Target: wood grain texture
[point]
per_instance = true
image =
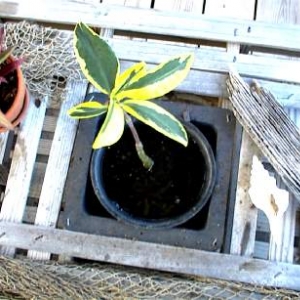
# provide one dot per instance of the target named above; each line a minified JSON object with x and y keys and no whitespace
{"x":58,"y":163}
{"x":278,"y":11}
{"x":130,"y":3}
{"x":3,"y":142}
{"x":172,"y":23}
{"x":231,"y":8}
{"x":180,"y":5}
{"x":148,"y":255}
{"x":23,"y":159}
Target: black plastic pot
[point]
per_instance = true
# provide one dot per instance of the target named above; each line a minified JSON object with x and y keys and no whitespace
{"x":172,"y":192}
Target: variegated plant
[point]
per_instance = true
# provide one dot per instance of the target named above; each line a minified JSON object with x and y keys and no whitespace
{"x":128,"y":92}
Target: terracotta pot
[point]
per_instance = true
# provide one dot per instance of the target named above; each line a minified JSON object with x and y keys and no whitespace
{"x":16,"y":112}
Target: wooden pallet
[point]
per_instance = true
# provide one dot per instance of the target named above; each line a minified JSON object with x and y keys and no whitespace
{"x":159,"y":33}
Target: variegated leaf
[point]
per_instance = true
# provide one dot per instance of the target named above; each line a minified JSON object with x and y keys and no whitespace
{"x":112,"y":127}
{"x":128,"y":76}
{"x":97,"y":60}
{"x":87,"y":110}
{"x":158,"y":81}
{"x":158,"y":118}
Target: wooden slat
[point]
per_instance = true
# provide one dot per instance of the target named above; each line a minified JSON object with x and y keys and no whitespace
{"x":149,"y":255}
{"x":50,"y":123}
{"x":231,"y":8}
{"x":245,"y":213}
{"x":280,"y":11}
{"x":157,"y":22}
{"x":3,"y":142}
{"x":44,"y":147}
{"x":132,"y":3}
{"x":180,"y":5}
{"x":37,"y":180}
{"x":20,"y":174}
{"x":207,"y":60}
{"x":58,"y":163}
{"x":283,"y":250}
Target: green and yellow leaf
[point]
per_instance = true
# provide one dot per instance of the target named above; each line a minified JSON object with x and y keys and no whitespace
{"x":97,"y":60}
{"x":112,"y":127}
{"x":158,"y":118}
{"x":87,"y":110}
{"x":128,"y":76}
{"x":158,"y":81}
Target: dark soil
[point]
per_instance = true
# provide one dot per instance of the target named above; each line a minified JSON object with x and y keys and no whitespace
{"x":169,"y":189}
{"x":8,"y":91}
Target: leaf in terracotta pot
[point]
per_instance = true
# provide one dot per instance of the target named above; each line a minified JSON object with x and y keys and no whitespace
{"x":158,"y":118}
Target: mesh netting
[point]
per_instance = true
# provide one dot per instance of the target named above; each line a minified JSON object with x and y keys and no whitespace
{"x":27,"y":279}
{"x":48,"y":53}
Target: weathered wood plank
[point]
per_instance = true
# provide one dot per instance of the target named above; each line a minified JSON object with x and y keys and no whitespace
{"x":37,"y":180}
{"x":44,"y":147}
{"x":158,"y":22}
{"x":245,"y":213}
{"x":50,"y":123}
{"x":58,"y":163}
{"x":132,"y":3}
{"x":148,"y":255}
{"x":3,"y":142}
{"x":180,"y":5}
{"x":283,"y":250}
{"x":279,"y":11}
{"x":270,"y":68}
{"x":287,"y":12}
{"x":20,"y":174}
{"x":230,"y":8}
{"x":195,"y":6}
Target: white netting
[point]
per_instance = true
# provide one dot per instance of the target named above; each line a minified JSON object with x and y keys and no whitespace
{"x":48,"y":53}
{"x":27,"y":279}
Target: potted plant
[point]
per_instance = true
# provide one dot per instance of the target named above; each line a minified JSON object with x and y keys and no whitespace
{"x":13,"y":93}
{"x":128,"y":111}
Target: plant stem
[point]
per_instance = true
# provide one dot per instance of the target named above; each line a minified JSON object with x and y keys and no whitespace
{"x":145,"y":159}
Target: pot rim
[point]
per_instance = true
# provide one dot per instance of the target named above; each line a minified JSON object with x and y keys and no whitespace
{"x":204,"y":193}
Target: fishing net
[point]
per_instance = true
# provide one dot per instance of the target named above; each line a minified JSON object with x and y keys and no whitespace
{"x":26,"y":279}
{"x":48,"y":53}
